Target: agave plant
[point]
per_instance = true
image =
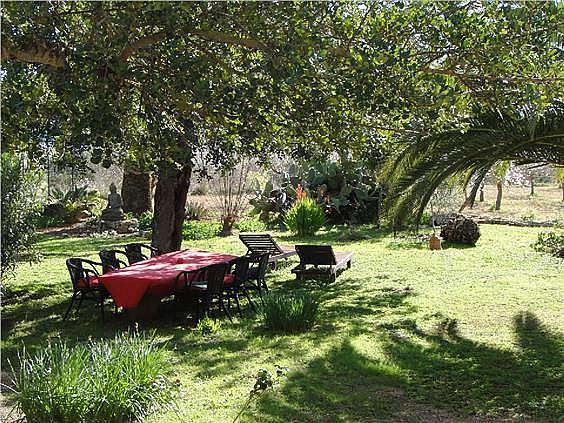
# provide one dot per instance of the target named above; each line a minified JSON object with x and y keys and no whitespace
{"x":523,"y":136}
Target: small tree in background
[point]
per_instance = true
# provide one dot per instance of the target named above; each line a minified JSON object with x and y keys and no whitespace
{"x":499,"y":171}
{"x":230,"y":191}
{"x":20,"y":183}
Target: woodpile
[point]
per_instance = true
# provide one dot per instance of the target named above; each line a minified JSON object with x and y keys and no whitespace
{"x":460,"y":230}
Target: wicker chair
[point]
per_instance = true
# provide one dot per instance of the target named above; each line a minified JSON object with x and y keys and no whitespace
{"x":85,"y":284}
{"x":110,"y":260}
{"x":134,"y":252}
{"x":205,"y":286}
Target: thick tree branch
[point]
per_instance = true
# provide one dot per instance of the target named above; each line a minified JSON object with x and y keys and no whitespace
{"x":34,"y":55}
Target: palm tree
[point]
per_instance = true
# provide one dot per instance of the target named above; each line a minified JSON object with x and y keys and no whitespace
{"x":523,"y":136}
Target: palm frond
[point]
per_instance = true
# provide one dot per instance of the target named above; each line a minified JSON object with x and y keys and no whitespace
{"x":522,"y":136}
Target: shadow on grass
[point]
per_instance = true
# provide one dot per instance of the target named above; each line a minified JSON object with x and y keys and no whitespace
{"x":461,"y":374}
{"x":448,"y":245}
{"x":449,"y":373}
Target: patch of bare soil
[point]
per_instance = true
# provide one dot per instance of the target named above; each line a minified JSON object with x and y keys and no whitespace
{"x":8,"y":412}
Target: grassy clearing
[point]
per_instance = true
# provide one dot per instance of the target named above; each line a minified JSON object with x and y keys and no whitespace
{"x":405,"y":335}
{"x":518,"y":204}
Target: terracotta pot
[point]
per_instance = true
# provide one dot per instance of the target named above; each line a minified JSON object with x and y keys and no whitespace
{"x":434,"y":242}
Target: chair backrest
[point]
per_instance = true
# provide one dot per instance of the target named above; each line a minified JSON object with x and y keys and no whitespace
{"x":262,"y":264}
{"x":316,"y":254}
{"x":110,"y":261}
{"x":214,"y":277}
{"x":241,"y":271}
{"x":260,"y":243}
{"x":79,"y":274}
{"x":134,"y":254}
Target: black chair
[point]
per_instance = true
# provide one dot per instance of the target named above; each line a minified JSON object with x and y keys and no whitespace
{"x":110,"y":261}
{"x":234,"y":283}
{"x":257,"y":273}
{"x":85,"y":283}
{"x":134,"y":252}
{"x":205,"y":285}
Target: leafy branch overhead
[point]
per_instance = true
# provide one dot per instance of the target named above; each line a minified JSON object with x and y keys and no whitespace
{"x":115,"y":79}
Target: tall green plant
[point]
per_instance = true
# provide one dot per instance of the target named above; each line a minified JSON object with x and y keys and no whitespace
{"x":20,"y":207}
{"x":305,"y":217}
{"x":115,"y":380}
{"x":289,"y":313}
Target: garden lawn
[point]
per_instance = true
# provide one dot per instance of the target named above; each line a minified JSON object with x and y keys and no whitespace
{"x":405,"y":335}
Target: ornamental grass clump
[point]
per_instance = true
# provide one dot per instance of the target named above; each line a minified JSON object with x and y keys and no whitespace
{"x":116,"y":380}
{"x":305,"y":217}
{"x":289,"y":312}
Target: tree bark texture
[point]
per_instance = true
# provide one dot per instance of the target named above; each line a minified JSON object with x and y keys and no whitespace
{"x":170,"y":206}
{"x":137,"y":192}
{"x":499,"y":195}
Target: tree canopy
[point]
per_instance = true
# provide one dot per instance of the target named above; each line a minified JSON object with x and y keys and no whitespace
{"x":158,"y":81}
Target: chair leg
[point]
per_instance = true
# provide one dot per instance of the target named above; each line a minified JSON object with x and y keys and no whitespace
{"x":79,"y":303}
{"x":69,"y":307}
{"x":222,"y":307}
{"x":249,"y":299}
{"x":102,"y":308}
{"x":236,"y":295}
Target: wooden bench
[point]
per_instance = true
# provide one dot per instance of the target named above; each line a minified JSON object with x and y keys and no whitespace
{"x":264,"y":243}
{"x":320,"y":255}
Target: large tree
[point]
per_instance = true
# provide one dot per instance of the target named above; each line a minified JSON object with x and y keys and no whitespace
{"x":166,"y":80}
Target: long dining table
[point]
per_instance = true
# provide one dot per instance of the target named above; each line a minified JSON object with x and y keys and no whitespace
{"x":145,"y":283}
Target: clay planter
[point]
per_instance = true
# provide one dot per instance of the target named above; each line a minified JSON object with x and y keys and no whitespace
{"x":434,"y":242}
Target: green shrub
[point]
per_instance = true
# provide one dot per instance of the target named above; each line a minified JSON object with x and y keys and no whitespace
{"x":305,"y":217}
{"x":195,"y":211}
{"x":100,"y":381}
{"x":200,"y":229}
{"x":146,"y":221}
{"x":20,"y":209}
{"x":289,"y":313}
{"x":207,"y":326}
{"x":68,"y":206}
{"x":550,"y":242}
{"x":250,"y":225}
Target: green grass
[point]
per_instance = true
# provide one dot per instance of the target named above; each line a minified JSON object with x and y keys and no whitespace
{"x":406,"y":334}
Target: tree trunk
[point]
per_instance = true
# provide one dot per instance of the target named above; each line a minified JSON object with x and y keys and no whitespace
{"x":136,"y":192}
{"x":532,"y":186}
{"x":481,"y":194}
{"x":227,"y":229}
{"x":170,"y":206}
{"x":499,"y":194}
{"x":562,"y":186}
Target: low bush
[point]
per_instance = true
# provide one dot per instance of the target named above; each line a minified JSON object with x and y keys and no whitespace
{"x":250,"y":225}
{"x":289,"y":313}
{"x":200,"y":229}
{"x":550,"y":242}
{"x":207,"y":326}
{"x":305,"y":217}
{"x":146,"y":221}
{"x":195,"y":211}
{"x":101,"y":381}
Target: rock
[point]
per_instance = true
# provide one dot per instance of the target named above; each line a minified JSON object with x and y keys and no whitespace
{"x":460,"y":230}
{"x":126,"y":226}
{"x":83,"y":215}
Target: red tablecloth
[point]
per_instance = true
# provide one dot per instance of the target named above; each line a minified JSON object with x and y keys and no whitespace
{"x":156,"y":276}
